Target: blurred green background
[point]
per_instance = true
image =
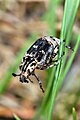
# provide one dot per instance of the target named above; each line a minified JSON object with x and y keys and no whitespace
{"x":22,"y":22}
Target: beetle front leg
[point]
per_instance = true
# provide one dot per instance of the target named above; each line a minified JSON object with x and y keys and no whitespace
{"x":55,"y":62}
{"x":39,"y":81}
{"x":59,"y":57}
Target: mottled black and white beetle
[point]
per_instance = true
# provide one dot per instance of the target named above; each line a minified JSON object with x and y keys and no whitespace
{"x":41,"y":55}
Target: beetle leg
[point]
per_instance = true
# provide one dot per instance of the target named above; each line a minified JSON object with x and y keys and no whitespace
{"x":23,"y":79}
{"x":39,"y":81}
{"x":69,"y":47}
{"x":14,"y":74}
{"x":29,"y":79}
{"x":59,"y":57}
{"x":55,"y":62}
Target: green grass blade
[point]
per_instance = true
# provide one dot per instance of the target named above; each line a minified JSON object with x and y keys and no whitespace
{"x":71,"y":7}
{"x":74,"y":114}
{"x":67,"y":24}
{"x":58,"y":82}
{"x":70,"y":60}
{"x":16,"y":117}
{"x":68,"y":18}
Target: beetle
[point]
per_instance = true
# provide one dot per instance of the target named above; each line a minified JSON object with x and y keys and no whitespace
{"x":41,"y":55}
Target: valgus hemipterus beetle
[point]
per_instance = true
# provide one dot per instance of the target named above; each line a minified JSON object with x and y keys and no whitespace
{"x":41,"y":55}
